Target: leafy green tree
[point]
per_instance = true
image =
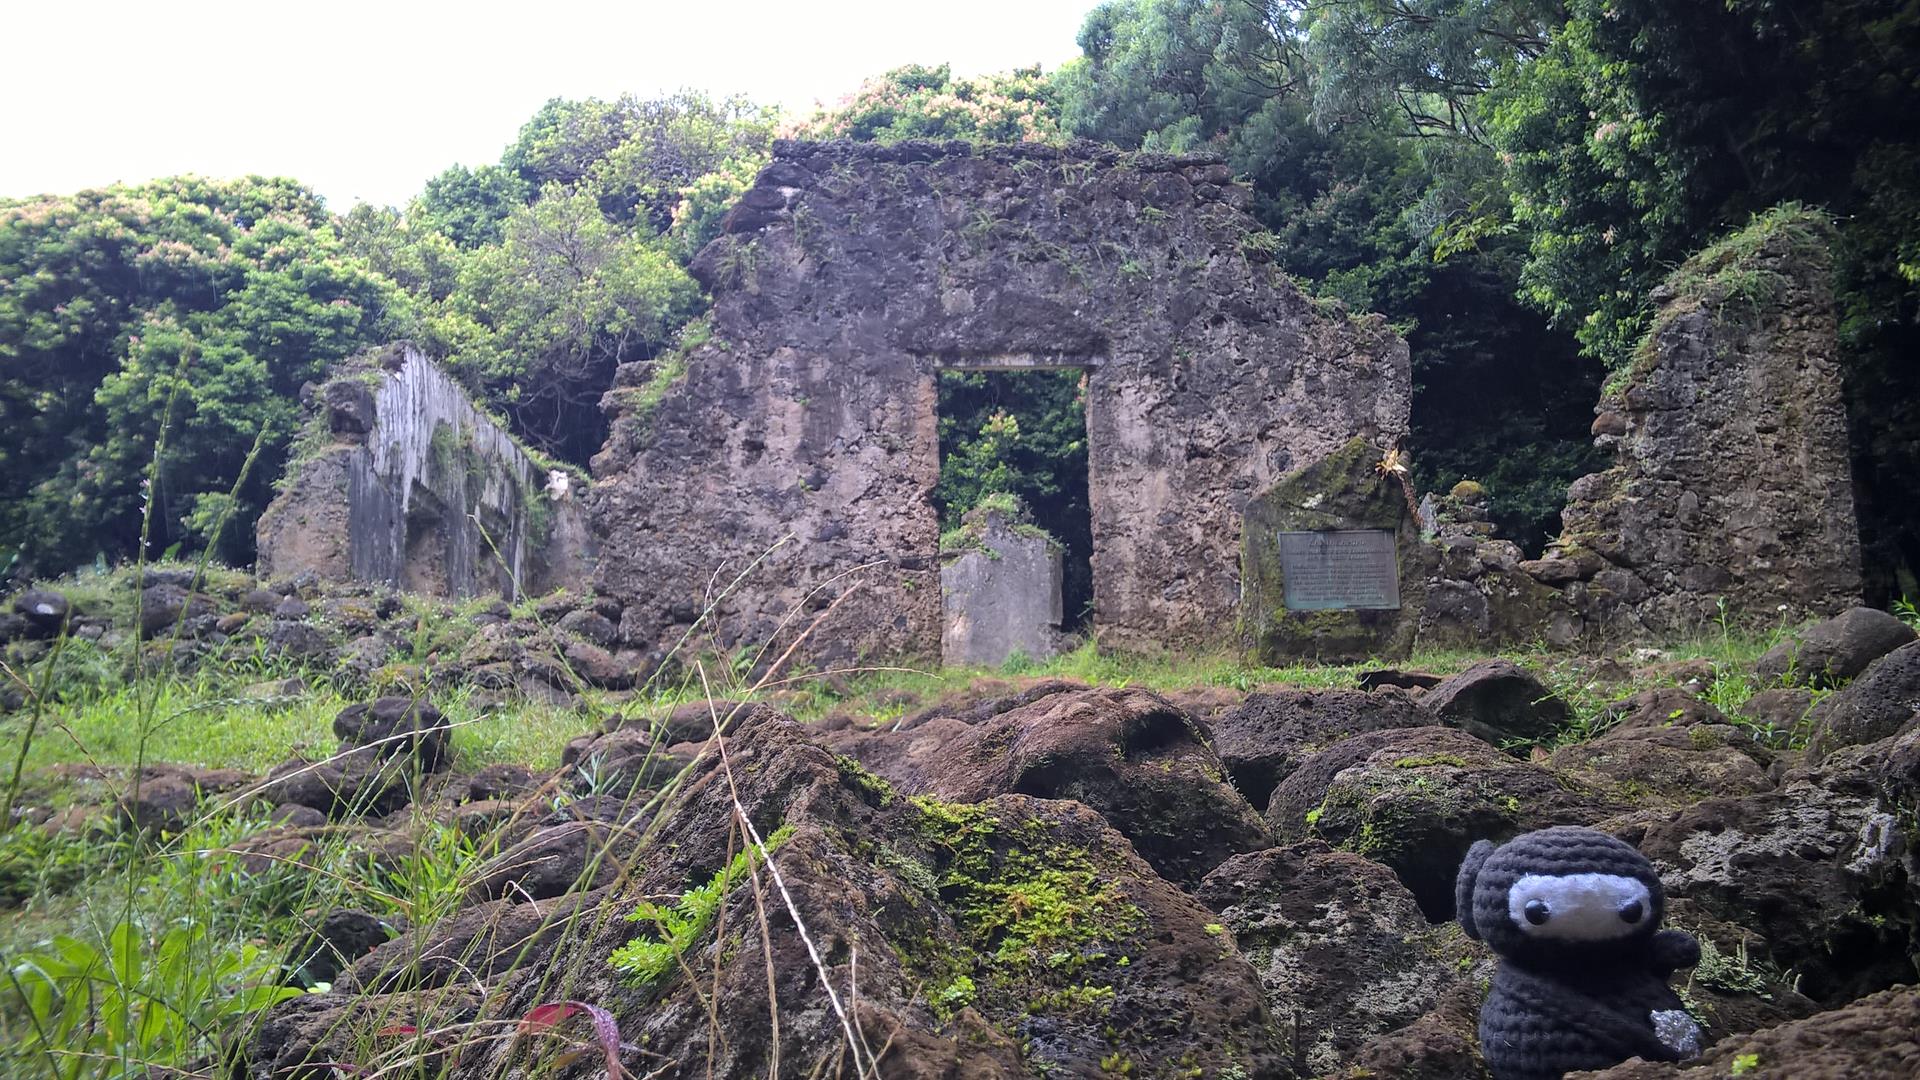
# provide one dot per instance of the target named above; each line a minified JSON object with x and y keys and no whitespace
{"x":1646,"y":129}
{"x":218,"y":298}
{"x":917,"y":102}
{"x":541,"y":320}
{"x":470,"y":206}
{"x":537,"y":277}
{"x":1353,"y":123}
{"x":1025,"y":434}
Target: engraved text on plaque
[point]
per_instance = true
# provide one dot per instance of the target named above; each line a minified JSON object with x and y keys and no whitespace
{"x":1340,"y":569}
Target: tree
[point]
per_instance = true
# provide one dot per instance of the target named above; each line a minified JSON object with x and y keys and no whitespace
{"x":1352,"y":122}
{"x":916,"y":102}
{"x":1646,"y":129}
{"x":540,"y":321}
{"x":192,"y":306}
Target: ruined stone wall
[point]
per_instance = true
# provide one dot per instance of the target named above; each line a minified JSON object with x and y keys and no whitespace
{"x":797,"y":445}
{"x":414,"y":487}
{"x":1731,"y":478}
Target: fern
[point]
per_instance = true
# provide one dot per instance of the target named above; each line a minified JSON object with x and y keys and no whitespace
{"x":678,"y":926}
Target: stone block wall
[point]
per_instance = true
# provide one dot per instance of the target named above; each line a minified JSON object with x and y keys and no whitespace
{"x":410,"y":485}
{"x":1731,"y":483}
{"x":779,"y":472}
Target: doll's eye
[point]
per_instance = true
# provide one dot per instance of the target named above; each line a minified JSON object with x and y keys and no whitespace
{"x":1537,"y":912}
{"x":1630,"y":913}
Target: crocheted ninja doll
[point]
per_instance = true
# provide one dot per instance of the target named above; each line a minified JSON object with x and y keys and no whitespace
{"x":1582,"y":984}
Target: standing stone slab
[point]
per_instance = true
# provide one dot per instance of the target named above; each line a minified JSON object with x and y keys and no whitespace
{"x":1329,"y":558}
{"x":1001,"y":593}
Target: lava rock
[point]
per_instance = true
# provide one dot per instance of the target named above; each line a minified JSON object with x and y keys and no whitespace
{"x":1830,"y":652}
{"x":1416,"y":798}
{"x":1338,"y":942}
{"x":1498,"y":701}
{"x":1869,"y":1038}
{"x":1270,"y":734}
{"x":1875,"y":705}
{"x":46,"y":611}
{"x":393,"y":726}
{"x":1129,"y":754}
{"x":343,"y":936}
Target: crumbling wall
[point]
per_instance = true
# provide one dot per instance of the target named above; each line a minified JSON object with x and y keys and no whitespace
{"x":783,"y":466}
{"x":1731,"y":483}
{"x":405,"y":482}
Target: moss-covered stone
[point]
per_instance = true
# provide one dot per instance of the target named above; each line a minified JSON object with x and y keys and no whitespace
{"x":1344,"y":490}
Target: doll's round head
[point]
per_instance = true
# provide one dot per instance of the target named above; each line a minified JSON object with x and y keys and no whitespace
{"x":1564,"y":891}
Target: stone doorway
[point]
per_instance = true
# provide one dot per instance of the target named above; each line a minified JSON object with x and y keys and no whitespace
{"x":1021,"y":427}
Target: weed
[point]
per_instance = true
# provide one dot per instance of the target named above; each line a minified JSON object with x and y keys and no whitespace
{"x":679,"y":925}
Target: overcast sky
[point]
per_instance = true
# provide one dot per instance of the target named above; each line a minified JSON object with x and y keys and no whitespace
{"x":366,"y":100}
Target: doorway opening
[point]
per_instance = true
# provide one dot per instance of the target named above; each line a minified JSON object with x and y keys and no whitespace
{"x":1022,"y":432}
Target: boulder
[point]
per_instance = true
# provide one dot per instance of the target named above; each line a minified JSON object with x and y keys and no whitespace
{"x":1648,"y":710}
{"x":395,"y":726}
{"x":1416,"y":798}
{"x":501,"y":781}
{"x":163,"y":805}
{"x":1129,"y":754}
{"x":343,"y":936}
{"x":556,"y":859}
{"x":1782,"y":709}
{"x":298,"y":641}
{"x":1029,"y":936}
{"x":1264,"y":739}
{"x":351,"y":785}
{"x":1500,"y":702}
{"x":1818,"y":867}
{"x":620,"y":762}
{"x":1675,"y":765}
{"x":1339,"y":944}
{"x":1864,"y":1040}
{"x":1880,"y":702}
{"x":300,"y":1037}
{"x":589,"y":625}
{"x":45,"y":610}
{"x":163,"y":604}
{"x":1834,"y":650}
{"x":596,"y":666}
{"x":1442,"y":1045}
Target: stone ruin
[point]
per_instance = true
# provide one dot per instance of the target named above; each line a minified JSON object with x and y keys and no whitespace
{"x":1729,"y":498}
{"x":1731,"y":482}
{"x":403,"y":482}
{"x":771,"y":479}
{"x":781,"y":472}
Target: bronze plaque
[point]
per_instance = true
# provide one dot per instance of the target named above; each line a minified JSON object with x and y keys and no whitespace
{"x":1340,"y":569}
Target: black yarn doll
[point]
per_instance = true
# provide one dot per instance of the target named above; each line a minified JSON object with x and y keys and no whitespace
{"x":1582,"y":984}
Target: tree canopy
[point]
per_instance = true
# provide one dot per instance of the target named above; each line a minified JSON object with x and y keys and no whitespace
{"x":1505,"y":179}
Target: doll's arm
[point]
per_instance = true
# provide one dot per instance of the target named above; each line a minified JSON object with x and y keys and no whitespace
{"x":1670,"y":950}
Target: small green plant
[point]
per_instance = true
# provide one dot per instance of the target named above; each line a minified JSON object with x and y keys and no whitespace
{"x":140,"y":1002}
{"x":951,"y":998}
{"x":1735,"y":974}
{"x":678,"y":926}
{"x":1744,"y":1064}
{"x":1906,"y":612}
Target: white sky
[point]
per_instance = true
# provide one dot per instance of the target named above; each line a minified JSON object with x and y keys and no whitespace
{"x":366,"y":100}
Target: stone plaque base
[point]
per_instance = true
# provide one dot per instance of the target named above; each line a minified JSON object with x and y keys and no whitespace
{"x":1323,"y":559}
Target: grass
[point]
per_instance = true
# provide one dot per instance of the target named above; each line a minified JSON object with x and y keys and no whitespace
{"x":91,"y":888}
